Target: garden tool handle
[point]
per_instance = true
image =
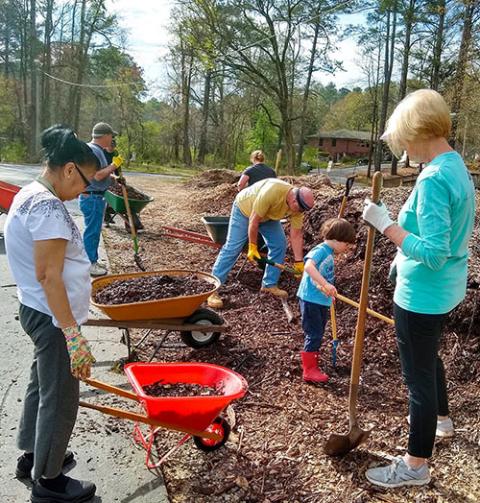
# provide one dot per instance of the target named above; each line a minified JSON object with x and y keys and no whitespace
{"x":371,"y":312}
{"x":333,"y":321}
{"x":348,"y":186}
{"x":362,"y":309}
{"x":133,"y":230}
{"x":282,"y":267}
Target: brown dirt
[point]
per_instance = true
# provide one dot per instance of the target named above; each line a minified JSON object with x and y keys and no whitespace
{"x":279,"y":428}
{"x":132,"y":193}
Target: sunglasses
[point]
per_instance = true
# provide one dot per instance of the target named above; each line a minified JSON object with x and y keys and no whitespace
{"x":302,"y":205}
{"x":86,"y":181}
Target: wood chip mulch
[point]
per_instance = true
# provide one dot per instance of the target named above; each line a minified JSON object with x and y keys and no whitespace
{"x":275,"y":451}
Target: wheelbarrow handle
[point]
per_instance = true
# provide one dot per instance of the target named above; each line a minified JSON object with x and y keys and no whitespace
{"x":140,"y":418}
{"x":111,"y":389}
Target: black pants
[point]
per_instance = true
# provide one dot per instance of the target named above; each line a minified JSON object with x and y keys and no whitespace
{"x":418,"y":339}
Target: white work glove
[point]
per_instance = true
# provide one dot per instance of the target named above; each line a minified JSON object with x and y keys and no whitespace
{"x":377,"y":215}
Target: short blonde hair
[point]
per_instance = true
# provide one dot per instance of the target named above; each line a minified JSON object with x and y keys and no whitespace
{"x":257,"y":155}
{"x":421,"y":115}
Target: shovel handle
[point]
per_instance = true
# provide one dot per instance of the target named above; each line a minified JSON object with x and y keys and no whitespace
{"x":371,"y":312}
{"x":362,"y":308}
{"x":133,"y":231}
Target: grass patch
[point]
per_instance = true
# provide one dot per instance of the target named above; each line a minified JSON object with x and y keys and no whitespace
{"x":182,"y":171}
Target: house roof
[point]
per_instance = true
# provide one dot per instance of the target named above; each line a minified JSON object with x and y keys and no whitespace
{"x":345,"y":134}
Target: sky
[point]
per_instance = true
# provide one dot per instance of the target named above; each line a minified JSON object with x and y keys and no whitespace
{"x":146,"y":24}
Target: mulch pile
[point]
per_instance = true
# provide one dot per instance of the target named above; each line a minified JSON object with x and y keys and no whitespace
{"x":126,"y":291}
{"x":214,"y":177}
{"x":132,"y":192}
{"x":162,"y":388}
{"x":275,"y":452}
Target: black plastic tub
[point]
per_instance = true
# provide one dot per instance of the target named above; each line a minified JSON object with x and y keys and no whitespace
{"x":217,"y":229}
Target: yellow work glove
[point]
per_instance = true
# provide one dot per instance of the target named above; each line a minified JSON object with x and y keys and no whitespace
{"x":298,"y":267}
{"x":117,"y":160}
{"x":81,"y":358}
{"x":253,"y":254}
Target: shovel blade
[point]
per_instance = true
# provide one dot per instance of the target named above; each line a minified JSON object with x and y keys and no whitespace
{"x":339,"y":445}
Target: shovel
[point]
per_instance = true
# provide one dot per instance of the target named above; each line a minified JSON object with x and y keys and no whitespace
{"x":333,"y":319}
{"x":338,"y":445}
{"x":133,"y":231}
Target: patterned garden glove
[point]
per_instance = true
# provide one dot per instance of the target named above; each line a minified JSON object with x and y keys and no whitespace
{"x":298,"y":267}
{"x":253,"y":254}
{"x":81,"y":358}
{"x":117,"y":160}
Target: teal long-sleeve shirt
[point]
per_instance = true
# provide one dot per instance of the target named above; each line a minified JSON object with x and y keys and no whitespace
{"x":439,"y":217}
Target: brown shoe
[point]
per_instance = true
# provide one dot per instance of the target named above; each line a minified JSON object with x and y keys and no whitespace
{"x":274,"y":290}
{"x":215,"y":301}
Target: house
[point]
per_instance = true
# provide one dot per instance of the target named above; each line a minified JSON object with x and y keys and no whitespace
{"x":341,"y":142}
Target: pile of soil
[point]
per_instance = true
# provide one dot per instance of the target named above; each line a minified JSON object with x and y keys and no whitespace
{"x":275,"y":452}
{"x":132,"y":192}
{"x":163,"y":388}
{"x":144,"y":288}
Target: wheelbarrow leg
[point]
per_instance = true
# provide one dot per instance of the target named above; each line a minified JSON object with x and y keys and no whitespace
{"x":159,"y":345}
{"x":142,"y":340}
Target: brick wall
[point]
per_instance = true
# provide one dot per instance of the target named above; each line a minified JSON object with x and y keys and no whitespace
{"x":337,"y":147}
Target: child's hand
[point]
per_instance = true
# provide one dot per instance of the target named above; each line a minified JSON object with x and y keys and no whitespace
{"x":329,"y":290}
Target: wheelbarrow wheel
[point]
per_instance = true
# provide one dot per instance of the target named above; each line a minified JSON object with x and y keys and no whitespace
{"x":220,"y":426}
{"x":199,"y":339}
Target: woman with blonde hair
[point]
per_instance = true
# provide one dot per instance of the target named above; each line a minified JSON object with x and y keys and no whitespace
{"x":256,"y":172}
{"x":434,"y":227}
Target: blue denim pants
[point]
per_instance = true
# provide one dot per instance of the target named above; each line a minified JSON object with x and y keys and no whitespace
{"x":418,"y":340}
{"x":93,"y":207}
{"x":271,"y":231}
{"x":314,"y":320}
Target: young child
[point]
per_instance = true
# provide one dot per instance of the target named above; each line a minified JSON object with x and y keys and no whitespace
{"x":316,"y":291}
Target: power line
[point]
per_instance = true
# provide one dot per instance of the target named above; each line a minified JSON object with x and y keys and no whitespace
{"x":91,"y":86}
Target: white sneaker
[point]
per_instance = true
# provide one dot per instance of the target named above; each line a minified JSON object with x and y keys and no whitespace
{"x":97,"y":270}
{"x":445,"y":427}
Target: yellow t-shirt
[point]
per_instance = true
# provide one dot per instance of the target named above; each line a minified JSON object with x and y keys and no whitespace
{"x":268,"y":199}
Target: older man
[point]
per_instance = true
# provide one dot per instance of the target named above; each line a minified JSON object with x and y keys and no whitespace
{"x":259,"y":208}
{"x":92,"y":202}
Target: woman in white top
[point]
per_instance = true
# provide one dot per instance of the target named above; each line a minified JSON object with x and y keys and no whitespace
{"x":48,"y":262}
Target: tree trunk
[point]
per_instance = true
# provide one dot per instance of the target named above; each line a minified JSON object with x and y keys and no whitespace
{"x":32,"y":115}
{"x":186,"y":70}
{"x":461,"y":68}
{"x":388,"y":66}
{"x":202,"y":148}
{"x":437,"y":52}
{"x":47,"y":64}
{"x":409,"y":19}
{"x":306,"y":93}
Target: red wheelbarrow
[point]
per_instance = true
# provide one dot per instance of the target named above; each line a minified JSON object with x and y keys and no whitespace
{"x":196,"y":416}
{"x":7,"y":193}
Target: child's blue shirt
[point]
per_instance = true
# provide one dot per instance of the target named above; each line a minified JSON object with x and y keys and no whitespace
{"x":322,"y":255}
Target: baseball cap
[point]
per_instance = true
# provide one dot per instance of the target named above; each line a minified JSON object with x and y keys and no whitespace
{"x":101,"y":129}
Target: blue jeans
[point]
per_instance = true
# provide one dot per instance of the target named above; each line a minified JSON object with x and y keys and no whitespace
{"x":418,"y":340}
{"x":314,"y":320}
{"x":93,"y":207}
{"x":271,"y":231}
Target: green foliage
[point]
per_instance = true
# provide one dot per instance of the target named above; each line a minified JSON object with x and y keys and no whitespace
{"x":310,"y":156}
{"x":351,"y":112}
{"x":263,"y":136}
{"x":13,"y":152}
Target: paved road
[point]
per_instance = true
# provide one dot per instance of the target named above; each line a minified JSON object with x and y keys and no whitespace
{"x":102,"y":445}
